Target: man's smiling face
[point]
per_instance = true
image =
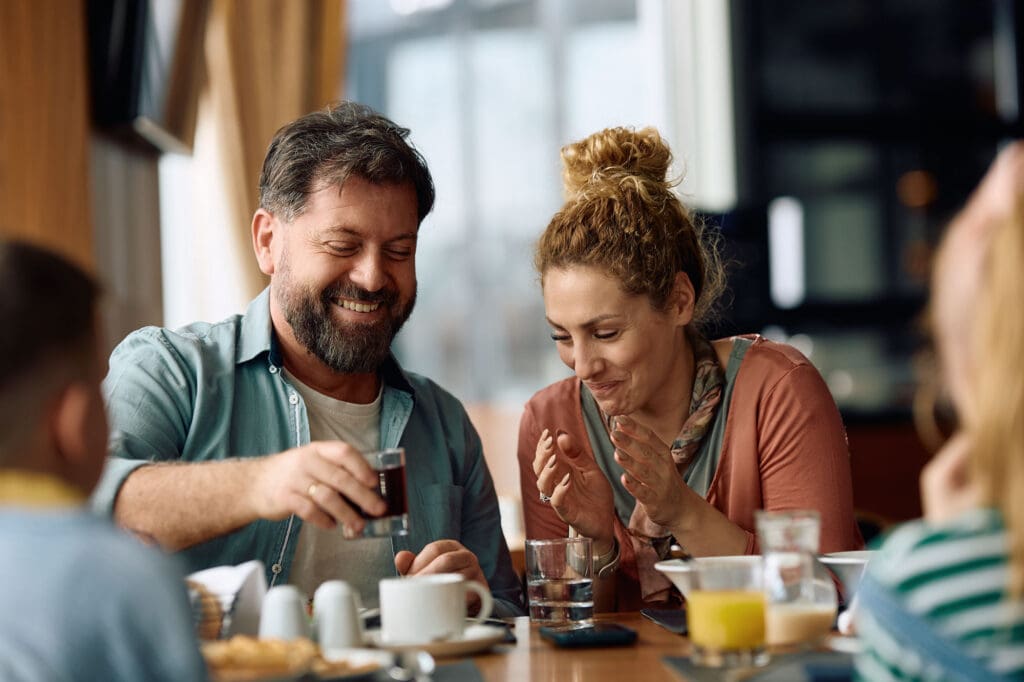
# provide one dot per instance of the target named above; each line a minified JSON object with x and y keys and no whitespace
{"x":345,"y":277}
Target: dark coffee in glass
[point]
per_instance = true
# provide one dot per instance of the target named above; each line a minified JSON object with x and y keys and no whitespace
{"x":390,"y":467}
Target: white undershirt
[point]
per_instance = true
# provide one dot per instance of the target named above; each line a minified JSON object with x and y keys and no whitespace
{"x":325,"y":554}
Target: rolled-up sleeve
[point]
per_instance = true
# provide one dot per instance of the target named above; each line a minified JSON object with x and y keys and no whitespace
{"x":148,"y":392}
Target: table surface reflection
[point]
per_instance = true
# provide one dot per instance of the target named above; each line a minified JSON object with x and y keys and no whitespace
{"x":535,"y":659}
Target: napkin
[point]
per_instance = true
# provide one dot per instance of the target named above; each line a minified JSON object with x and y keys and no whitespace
{"x":240,"y":590}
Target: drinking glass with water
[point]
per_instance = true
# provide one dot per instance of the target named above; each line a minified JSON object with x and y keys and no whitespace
{"x":559,"y":581}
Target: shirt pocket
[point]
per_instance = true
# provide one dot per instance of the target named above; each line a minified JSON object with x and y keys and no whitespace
{"x":443,"y":507}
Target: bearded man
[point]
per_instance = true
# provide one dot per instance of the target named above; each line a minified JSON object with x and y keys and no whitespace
{"x":243,"y":439}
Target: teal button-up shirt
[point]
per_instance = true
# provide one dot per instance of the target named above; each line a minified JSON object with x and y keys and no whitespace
{"x":213,"y":391}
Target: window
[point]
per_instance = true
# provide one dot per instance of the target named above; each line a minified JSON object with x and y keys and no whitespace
{"x":491,"y":90}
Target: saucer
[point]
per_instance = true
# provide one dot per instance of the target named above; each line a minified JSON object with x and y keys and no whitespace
{"x":357,"y":664}
{"x":476,"y":638}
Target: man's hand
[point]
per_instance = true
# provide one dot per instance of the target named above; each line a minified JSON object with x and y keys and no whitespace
{"x":321,"y":483}
{"x":444,"y":556}
{"x":580,"y":494}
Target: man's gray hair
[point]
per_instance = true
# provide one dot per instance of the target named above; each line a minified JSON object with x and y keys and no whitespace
{"x":325,"y":147}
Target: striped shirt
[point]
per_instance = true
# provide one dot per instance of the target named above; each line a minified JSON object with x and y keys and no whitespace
{"x":954,"y":577}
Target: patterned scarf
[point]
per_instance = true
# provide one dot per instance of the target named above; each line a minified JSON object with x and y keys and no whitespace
{"x":651,"y":541}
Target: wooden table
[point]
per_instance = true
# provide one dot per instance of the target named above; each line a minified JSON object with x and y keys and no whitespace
{"x":537,"y":660}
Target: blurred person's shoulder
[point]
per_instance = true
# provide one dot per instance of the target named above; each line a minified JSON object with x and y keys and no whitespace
{"x":100,"y":544}
{"x":919,"y":547}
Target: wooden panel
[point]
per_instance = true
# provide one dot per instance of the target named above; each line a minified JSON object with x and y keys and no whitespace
{"x":886,"y":461}
{"x":44,"y":126}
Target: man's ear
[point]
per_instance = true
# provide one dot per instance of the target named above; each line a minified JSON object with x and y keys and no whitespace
{"x":69,"y":417}
{"x":265,"y":228}
{"x":683,"y":299}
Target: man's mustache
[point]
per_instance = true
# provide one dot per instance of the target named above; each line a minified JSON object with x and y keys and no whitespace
{"x":387,"y":297}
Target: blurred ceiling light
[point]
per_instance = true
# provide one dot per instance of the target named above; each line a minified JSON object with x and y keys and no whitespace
{"x":786,"y":252}
{"x":407,"y":7}
{"x":916,"y":189}
{"x":841,"y":383}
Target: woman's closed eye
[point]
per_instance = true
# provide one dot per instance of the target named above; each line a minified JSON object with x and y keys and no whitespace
{"x":602,"y":335}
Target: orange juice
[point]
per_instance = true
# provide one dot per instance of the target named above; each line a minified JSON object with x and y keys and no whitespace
{"x":726,"y":619}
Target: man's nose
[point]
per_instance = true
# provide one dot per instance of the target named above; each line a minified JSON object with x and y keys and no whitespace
{"x":369,"y":272}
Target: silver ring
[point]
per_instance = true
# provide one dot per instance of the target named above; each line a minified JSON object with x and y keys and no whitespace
{"x":311,"y":490}
{"x":544,"y":498}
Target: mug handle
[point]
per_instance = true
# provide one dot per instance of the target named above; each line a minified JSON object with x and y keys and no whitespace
{"x":486,"y":601}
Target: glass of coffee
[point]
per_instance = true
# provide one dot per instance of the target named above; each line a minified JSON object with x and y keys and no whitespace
{"x":390,"y":467}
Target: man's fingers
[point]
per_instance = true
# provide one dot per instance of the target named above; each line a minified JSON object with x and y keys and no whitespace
{"x":403,"y":561}
{"x":342,"y":455}
{"x":329,"y":502}
{"x":431,"y":552}
{"x":307,"y":510}
{"x":461,"y":561}
{"x":341,"y":481}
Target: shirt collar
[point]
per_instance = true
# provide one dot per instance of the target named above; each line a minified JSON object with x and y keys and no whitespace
{"x":32,"y":489}
{"x":257,"y":337}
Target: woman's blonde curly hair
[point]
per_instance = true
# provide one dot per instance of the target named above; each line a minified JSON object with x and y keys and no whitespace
{"x":623,"y":215}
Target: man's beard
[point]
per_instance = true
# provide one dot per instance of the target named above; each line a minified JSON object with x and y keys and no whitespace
{"x":345,"y":347}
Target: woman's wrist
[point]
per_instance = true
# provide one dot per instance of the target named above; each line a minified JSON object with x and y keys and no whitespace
{"x":600,"y":544}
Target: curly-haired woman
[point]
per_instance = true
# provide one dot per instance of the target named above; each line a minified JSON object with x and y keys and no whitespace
{"x":662,"y":436}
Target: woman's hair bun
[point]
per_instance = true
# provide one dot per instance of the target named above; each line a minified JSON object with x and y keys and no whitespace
{"x":611,"y":155}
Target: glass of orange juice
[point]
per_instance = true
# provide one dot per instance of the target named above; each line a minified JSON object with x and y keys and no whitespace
{"x":725,"y":611}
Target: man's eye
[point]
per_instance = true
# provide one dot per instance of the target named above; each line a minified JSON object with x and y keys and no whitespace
{"x":400,"y":254}
{"x":343,"y":249}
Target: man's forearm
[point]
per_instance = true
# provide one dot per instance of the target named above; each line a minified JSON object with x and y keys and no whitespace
{"x":181,"y":505}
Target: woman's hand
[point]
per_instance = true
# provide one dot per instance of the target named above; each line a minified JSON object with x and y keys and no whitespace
{"x":946,"y":488}
{"x":650,"y":473}
{"x":580,"y":494}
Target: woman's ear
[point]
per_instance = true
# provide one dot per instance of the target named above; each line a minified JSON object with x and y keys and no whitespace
{"x":683,"y":299}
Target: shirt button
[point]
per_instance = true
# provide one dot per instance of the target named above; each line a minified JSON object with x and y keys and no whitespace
{"x":293,"y":399}
{"x":275,"y":569}
{"x":273,"y":369}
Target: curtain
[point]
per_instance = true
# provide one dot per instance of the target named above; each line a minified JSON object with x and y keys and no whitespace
{"x":267,"y":63}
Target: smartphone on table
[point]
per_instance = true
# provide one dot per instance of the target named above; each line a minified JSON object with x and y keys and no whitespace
{"x":596,"y":635}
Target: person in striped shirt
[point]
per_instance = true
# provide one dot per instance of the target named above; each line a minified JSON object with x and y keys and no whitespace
{"x":944,"y":599}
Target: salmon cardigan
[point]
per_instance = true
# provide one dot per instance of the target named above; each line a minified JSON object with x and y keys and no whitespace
{"x":784,"y":448}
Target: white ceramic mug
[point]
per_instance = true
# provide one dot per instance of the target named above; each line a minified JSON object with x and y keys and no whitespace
{"x":336,"y":620}
{"x":428,"y":608}
{"x":283,"y":615}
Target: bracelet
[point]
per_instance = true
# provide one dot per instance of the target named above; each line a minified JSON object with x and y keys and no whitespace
{"x":606,"y":564}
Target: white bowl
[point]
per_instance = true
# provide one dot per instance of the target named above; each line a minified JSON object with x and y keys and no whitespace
{"x":680,"y":572}
{"x":848,"y":567}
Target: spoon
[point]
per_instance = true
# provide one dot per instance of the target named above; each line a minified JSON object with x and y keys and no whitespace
{"x":412,"y":666}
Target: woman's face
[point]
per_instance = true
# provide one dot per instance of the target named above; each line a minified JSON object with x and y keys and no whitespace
{"x":960,"y":266}
{"x":626,"y":352}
